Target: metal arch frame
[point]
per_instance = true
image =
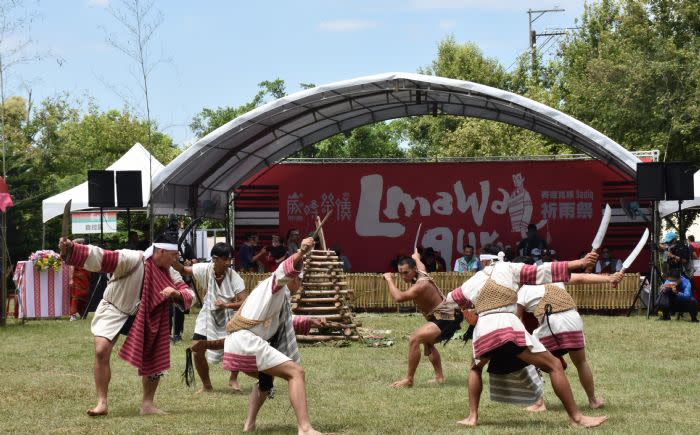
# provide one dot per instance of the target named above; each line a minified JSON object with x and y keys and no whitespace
{"x":236,"y":151}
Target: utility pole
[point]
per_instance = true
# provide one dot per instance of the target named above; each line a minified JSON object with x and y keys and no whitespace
{"x":532,"y":34}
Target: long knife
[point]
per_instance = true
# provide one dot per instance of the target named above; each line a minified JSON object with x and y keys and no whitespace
{"x":602,"y":229}
{"x":637,"y":249}
{"x":66,"y":220}
{"x":415,"y":243}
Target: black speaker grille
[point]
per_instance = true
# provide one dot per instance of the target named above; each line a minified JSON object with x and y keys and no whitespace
{"x":101,"y":189}
{"x":129,"y":190}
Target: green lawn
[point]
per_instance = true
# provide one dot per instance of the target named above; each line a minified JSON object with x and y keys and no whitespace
{"x":647,"y":372}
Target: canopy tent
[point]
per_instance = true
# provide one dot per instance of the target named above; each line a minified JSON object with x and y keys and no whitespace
{"x":198,"y":180}
{"x":136,"y":159}
{"x":668,"y":207}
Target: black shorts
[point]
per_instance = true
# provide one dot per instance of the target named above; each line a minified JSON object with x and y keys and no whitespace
{"x":199,"y":337}
{"x":504,"y":359}
{"x":448,"y":327}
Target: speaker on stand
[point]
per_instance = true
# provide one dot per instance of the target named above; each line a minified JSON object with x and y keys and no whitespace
{"x":129,"y":193}
{"x":658,"y":181}
{"x":101,"y":194}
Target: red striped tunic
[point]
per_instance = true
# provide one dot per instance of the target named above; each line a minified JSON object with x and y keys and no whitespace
{"x":148,"y":345}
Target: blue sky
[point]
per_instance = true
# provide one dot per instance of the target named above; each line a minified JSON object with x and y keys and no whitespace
{"x":217,"y":51}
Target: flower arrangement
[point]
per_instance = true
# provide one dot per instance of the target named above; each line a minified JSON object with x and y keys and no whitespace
{"x":45,"y":260}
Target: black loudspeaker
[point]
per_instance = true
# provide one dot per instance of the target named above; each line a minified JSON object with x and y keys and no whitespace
{"x":651,"y":181}
{"x":129,"y":190}
{"x":679,"y":181}
{"x":101,"y":189}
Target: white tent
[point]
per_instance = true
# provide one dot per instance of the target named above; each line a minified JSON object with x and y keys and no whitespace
{"x":136,"y":159}
{"x":668,"y":207}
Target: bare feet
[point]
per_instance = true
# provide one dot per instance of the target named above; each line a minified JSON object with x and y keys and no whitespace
{"x":205,"y":389}
{"x":469,"y":421}
{"x":311,"y":431}
{"x":437,"y":380}
{"x":586,"y":421}
{"x":248,"y":427}
{"x":235,"y":386}
{"x":403,"y":383}
{"x":152,"y":410}
{"x":100,"y":409}
{"x":538,"y":406}
{"x":596,"y":403}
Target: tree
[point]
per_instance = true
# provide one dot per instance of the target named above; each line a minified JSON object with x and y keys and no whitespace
{"x":53,"y":150}
{"x":632,"y":71}
{"x":208,"y":120}
{"x":454,"y":136}
{"x":15,"y":23}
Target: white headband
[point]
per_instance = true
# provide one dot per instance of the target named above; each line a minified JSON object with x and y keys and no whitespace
{"x":488,"y":257}
{"x":167,"y":246}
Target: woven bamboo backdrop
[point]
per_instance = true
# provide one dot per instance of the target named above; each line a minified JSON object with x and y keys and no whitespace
{"x":371,"y":291}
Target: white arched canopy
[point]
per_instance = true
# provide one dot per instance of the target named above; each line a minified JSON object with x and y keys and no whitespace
{"x":198,"y":181}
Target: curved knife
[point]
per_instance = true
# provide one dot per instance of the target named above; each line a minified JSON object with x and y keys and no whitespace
{"x":637,"y":249}
{"x":65,"y":225}
{"x":602,"y":229}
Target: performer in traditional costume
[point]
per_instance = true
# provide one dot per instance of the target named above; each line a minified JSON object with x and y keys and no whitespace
{"x":500,"y":335}
{"x":443,"y":318}
{"x":561,"y":327}
{"x":143,"y":285}
{"x":223,"y":291}
{"x":262,"y":340}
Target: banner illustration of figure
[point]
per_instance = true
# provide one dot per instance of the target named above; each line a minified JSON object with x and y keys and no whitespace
{"x":520,"y":207}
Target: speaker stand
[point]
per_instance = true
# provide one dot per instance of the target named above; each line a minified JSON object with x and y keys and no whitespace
{"x":102,"y":236}
{"x":128,"y":221}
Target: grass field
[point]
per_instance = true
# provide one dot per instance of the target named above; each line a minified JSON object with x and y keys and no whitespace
{"x":647,"y":372}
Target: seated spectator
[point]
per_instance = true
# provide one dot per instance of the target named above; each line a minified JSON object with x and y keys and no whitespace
{"x":276,"y":254}
{"x":607,"y":263}
{"x":433,"y":261}
{"x":531,"y":241}
{"x":292,"y":241}
{"x":468,"y":262}
{"x":675,"y":297}
{"x":247,"y":256}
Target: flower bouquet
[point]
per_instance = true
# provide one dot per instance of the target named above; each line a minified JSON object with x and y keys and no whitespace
{"x":45,"y":260}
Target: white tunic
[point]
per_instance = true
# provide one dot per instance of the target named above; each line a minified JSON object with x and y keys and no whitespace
{"x":211,"y":321}
{"x":123,"y":293}
{"x":248,"y":350}
{"x":500,"y":326}
{"x":564,"y":330}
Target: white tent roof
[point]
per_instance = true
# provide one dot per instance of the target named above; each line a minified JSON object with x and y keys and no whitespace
{"x":136,"y":159}
{"x":198,"y":180}
{"x":668,"y":207}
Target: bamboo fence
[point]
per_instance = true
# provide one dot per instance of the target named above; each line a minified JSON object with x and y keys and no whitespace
{"x":371,"y":290}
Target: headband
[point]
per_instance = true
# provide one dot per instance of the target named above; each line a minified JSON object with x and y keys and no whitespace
{"x":167,"y":246}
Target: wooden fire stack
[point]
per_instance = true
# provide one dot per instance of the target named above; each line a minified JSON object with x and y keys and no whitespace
{"x":325,"y":294}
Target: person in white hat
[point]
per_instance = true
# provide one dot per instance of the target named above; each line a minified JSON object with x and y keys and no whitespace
{"x":142,"y":287}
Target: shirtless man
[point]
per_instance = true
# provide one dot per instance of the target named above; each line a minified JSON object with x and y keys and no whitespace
{"x":443,"y":320}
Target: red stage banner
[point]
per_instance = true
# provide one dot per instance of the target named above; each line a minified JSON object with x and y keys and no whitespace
{"x":377,"y":207}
